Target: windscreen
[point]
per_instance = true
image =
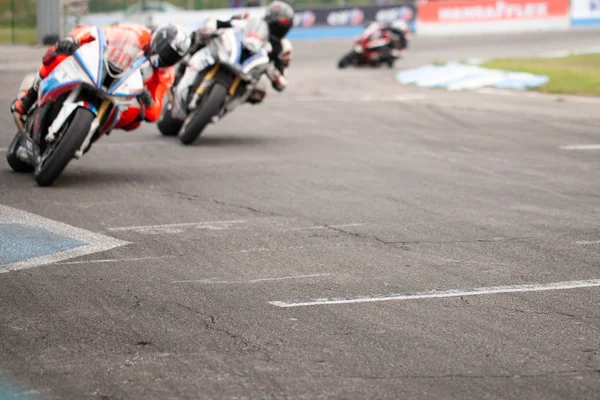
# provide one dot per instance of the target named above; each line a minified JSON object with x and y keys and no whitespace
{"x":257,"y":27}
{"x":123,"y":47}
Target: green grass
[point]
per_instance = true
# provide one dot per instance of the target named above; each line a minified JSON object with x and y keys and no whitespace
{"x":578,"y":74}
{"x":23,"y":35}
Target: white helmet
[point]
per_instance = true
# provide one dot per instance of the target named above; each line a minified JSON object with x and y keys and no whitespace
{"x":400,"y":25}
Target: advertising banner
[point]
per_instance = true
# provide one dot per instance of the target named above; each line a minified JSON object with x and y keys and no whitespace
{"x":484,"y":16}
{"x":585,"y":12}
{"x":319,"y":17}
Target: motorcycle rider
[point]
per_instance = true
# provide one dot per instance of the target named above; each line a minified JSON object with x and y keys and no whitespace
{"x":398,"y":30}
{"x":125,"y":43}
{"x":279,"y":17}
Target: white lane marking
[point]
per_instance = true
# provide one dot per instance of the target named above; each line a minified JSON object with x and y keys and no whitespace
{"x":588,"y":242}
{"x":364,"y":99}
{"x":3,"y":149}
{"x":111,"y":260}
{"x":533,"y":287}
{"x":541,"y":96}
{"x":281,"y":278}
{"x":175,"y":228}
{"x":289,"y":248}
{"x":322,"y":227}
{"x":581,"y":147}
{"x":96,"y":242}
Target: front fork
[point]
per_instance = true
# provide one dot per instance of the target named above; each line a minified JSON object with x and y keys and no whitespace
{"x":207,"y":81}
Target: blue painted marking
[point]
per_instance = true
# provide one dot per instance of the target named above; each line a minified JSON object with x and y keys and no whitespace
{"x":334,"y":32}
{"x":581,"y":22}
{"x":22,"y":242}
{"x":325,"y":33}
{"x":456,"y":76}
{"x":9,"y":391}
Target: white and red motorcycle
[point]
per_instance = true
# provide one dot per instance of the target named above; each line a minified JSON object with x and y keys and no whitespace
{"x":218,"y":78}
{"x":79,"y":102}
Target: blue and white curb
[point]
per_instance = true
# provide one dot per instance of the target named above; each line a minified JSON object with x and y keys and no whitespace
{"x":28,"y":240}
{"x":458,"y":76}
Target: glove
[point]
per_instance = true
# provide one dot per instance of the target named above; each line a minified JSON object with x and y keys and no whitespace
{"x":145,"y":99}
{"x":278,"y":81}
{"x":67,"y":46}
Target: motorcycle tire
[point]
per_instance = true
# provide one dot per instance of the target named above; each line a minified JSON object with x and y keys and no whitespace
{"x":63,"y":152}
{"x":349,"y":59}
{"x":167,"y":125}
{"x":203,"y":114}
{"x":15,"y":162}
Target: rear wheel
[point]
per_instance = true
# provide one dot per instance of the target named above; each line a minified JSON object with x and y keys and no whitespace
{"x":348,"y":59}
{"x":168,"y":125}
{"x":61,"y":152}
{"x":203,"y":114}
{"x":13,"y":160}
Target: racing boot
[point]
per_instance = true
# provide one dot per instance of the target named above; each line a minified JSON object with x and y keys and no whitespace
{"x":23,"y":104}
{"x":256,"y":96}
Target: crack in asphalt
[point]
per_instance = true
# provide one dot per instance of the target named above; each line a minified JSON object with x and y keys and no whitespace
{"x":193,"y":197}
{"x":210,"y":323}
{"x":375,"y":238}
{"x":522,"y":311}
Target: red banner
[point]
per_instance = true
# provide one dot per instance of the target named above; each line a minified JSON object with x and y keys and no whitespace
{"x":491,"y":10}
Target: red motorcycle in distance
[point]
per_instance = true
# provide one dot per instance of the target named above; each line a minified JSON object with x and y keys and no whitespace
{"x":376,"y":46}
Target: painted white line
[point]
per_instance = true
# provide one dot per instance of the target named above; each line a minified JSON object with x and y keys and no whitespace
{"x":322,"y":227}
{"x":281,"y":278}
{"x":533,"y":287}
{"x":541,"y":96}
{"x":581,"y":147}
{"x":588,"y":242}
{"x":96,"y":242}
{"x":290,"y":248}
{"x":170,"y":228}
{"x":3,"y":149}
{"x":403,"y":98}
{"x":112,"y":260}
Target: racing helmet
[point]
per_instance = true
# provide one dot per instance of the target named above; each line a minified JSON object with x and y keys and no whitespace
{"x":400,"y":25}
{"x":169,"y":44}
{"x":280,"y":18}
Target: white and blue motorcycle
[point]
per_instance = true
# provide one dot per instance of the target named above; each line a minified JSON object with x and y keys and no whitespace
{"x":80,"y":101}
{"x":218,"y":78}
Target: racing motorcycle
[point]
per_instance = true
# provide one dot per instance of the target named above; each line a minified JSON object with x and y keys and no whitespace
{"x":79,"y":102}
{"x":372,"y":48}
{"x":218,"y":78}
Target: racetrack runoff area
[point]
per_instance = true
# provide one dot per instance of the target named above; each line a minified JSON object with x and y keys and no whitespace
{"x":349,"y":238}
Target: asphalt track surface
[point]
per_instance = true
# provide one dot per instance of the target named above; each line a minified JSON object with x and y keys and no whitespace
{"x":348,"y":186}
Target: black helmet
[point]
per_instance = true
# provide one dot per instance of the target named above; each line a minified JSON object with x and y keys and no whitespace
{"x":280,"y":18}
{"x":168,"y":46}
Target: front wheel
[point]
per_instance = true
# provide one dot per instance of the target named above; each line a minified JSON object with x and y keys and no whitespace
{"x":13,"y":160}
{"x":60,"y":153}
{"x":348,"y":59}
{"x":202,"y":115}
{"x":168,"y":125}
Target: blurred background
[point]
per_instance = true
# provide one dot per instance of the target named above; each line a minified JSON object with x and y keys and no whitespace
{"x":18,"y":18}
